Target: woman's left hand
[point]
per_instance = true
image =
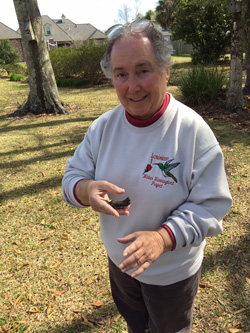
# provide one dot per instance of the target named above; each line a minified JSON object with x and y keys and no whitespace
{"x":146,"y":248}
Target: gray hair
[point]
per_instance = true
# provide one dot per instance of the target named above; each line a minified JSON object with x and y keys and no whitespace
{"x":162,"y":48}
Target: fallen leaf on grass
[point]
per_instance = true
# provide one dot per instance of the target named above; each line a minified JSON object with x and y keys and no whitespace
{"x":86,"y":321}
{"x":248,"y":280}
{"x":21,"y":266}
{"x":17,"y":251}
{"x":237,"y":323}
{"x":203,"y":284}
{"x":89,"y":281}
{"x":234,"y":330}
{"x":241,"y":310}
{"x":57,"y":292}
{"x":77,"y":310}
{"x":34,"y":311}
{"x":56,"y":264}
{"x":47,"y":311}
{"x":14,"y":328}
{"x":18,"y":299}
{"x":97,"y":304}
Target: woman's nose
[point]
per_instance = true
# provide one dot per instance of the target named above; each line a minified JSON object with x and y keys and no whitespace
{"x":133,"y":84}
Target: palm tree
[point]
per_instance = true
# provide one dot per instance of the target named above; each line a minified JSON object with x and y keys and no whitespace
{"x":164,"y":13}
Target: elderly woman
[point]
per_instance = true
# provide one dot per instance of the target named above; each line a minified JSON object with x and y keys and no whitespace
{"x":165,"y":158}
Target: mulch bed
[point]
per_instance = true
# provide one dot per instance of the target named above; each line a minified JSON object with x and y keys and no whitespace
{"x":218,"y":111}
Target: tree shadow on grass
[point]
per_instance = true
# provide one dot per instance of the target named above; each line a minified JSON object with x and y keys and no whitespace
{"x":234,"y":260}
{"x":101,"y":318}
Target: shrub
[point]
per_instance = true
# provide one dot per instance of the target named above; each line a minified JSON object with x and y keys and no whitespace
{"x":16,"y":69}
{"x":8,"y":54}
{"x":202,"y":84}
{"x":63,"y":60}
{"x":16,"y":77}
{"x":71,"y":82}
{"x":82,"y":62}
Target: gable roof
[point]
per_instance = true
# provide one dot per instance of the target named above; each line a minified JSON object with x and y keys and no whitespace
{"x":62,"y":31}
{"x":58,"y":34}
{"x":8,"y":33}
{"x":79,"y":31}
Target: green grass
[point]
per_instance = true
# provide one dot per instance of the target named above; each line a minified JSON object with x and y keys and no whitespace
{"x":53,"y":267}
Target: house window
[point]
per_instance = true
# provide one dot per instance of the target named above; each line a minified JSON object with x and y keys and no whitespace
{"x":47,"y":30}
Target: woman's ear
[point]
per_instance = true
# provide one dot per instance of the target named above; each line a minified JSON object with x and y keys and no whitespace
{"x":167,"y":74}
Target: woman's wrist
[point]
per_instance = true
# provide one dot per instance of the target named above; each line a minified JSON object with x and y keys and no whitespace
{"x":168,"y":242}
{"x":81,"y":191}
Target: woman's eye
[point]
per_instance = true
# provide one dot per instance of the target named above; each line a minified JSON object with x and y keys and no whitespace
{"x":143,"y":72}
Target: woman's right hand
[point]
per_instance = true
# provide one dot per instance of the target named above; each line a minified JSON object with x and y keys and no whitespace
{"x":95,"y":194}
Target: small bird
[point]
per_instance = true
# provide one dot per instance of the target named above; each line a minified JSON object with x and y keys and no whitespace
{"x":167,"y":167}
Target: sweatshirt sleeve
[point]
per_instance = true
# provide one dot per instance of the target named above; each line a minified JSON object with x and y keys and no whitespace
{"x":208,"y":202}
{"x":80,"y":166}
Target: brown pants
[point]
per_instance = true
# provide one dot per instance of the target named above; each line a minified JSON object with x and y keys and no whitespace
{"x":152,"y":308}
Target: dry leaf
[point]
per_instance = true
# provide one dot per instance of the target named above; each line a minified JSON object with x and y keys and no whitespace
{"x":248,"y":280}
{"x":34,"y":311}
{"x":234,"y":330}
{"x":241,"y":310}
{"x":89,"y":281}
{"x":97,"y":304}
{"x":86,"y":321}
{"x":17,"y":251}
{"x":56,"y":292}
{"x":48,"y":309}
{"x":203,"y":284}
{"x":56,"y":264}
{"x":62,"y":247}
{"x":237,"y":323}
{"x":18,"y":299}
{"x":77,"y":310}
{"x":14,"y":328}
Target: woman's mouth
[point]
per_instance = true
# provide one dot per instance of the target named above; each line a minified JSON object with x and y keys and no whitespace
{"x":138,"y":99}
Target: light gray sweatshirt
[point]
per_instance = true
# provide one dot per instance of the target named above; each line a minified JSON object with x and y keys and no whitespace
{"x":173,"y":172}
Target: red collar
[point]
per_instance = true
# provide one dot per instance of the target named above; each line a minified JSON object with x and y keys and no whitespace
{"x":151,"y":120}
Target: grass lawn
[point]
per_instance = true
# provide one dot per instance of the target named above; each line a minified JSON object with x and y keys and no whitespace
{"x":53,"y":267}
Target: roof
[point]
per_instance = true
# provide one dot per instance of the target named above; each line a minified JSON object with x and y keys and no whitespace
{"x":58,"y":34}
{"x":62,"y":31}
{"x":79,"y":31}
{"x":8,"y":33}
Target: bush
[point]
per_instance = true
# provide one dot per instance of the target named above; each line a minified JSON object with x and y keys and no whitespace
{"x":202,"y":84}
{"x":63,"y":60}
{"x":71,"y":82}
{"x":16,"y":77}
{"x":8,"y":54}
{"x":82,"y":62}
{"x":16,"y":69}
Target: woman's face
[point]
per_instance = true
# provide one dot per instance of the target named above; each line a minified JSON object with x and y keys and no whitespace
{"x":139,"y":81}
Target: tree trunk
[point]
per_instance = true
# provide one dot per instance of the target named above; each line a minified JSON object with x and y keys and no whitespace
{"x":235,"y":96}
{"x":246,"y":90}
{"x":43,"y":95}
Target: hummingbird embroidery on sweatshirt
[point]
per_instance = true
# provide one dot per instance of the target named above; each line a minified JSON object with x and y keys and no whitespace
{"x":165,"y":167}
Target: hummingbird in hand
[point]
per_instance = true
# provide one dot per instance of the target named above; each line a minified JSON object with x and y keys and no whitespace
{"x":167,"y":167}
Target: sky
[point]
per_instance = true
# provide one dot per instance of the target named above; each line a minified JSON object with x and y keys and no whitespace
{"x":100,"y":13}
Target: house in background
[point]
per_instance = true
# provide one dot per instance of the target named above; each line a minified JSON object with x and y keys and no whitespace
{"x":58,"y":33}
{"x":64,"y":32}
{"x":14,"y":37}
